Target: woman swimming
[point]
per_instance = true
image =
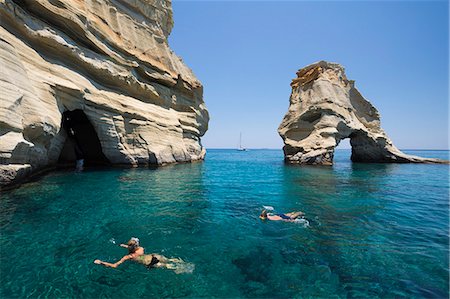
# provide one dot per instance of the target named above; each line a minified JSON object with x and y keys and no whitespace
{"x":136,"y":253}
{"x":292,"y":216}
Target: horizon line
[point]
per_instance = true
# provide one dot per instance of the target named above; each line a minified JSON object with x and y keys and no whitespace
{"x":276,"y":148}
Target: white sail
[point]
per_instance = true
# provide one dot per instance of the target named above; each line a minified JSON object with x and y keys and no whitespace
{"x":240,"y":148}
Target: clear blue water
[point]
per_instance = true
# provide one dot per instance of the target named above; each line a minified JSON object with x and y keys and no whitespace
{"x":377,"y":230}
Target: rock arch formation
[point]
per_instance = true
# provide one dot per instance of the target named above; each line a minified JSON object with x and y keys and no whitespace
{"x":325,"y":107}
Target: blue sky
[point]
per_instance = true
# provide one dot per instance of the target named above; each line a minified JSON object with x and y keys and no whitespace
{"x":247,"y":53}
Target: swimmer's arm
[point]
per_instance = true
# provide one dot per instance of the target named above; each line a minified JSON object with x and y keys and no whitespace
{"x":123,"y":245}
{"x":127,"y":257}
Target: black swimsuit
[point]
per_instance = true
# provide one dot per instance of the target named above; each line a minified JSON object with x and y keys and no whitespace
{"x":284,"y":216}
{"x":153,"y":262}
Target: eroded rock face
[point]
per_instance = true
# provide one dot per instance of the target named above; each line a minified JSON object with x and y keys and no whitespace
{"x":325,"y":107}
{"x":109,"y":59}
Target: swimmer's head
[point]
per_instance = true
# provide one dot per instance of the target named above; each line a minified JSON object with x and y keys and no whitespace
{"x":263,"y":215}
{"x":133,"y":245}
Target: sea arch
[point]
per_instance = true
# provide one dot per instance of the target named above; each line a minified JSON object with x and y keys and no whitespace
{"x":325,"y":107}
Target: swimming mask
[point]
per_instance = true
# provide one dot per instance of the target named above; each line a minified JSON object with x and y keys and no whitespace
{"x":135,"y":240}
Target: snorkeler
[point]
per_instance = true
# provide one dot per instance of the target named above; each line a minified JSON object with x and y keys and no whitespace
{"x":292,"y":216}
{"x":136,"y":253}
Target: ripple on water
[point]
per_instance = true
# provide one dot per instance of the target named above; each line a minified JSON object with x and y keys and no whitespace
{"x":375,"y":230}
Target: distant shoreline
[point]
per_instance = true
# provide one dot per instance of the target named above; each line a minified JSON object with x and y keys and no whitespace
{"x":263,"y":148}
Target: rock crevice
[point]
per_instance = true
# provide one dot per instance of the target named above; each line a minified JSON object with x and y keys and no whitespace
{"x":325,"y":107}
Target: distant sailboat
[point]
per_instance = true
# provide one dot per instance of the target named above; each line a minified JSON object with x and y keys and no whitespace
{"x":240,"y":148}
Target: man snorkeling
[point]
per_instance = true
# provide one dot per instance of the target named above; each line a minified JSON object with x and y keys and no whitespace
{"x":292,"y":216}
{"x":136,"y":253}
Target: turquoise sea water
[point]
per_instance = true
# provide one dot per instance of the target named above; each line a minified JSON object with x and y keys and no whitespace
{"x":376,"y":230}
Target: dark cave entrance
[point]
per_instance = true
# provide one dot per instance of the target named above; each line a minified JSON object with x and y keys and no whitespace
{"x":82,"y":141}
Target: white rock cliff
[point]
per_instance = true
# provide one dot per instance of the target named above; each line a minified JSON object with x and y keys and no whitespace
{"x":325,"y":107}
{"x":109,"y":61}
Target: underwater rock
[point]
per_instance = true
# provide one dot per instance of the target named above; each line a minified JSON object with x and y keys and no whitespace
{"x":325,"y":107}
{"x":111,"y":61}
{"x":255,"y":266}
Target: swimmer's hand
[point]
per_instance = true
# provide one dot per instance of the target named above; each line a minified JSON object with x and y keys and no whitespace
{"x":98,"y":262}
{"x":123,"y":245}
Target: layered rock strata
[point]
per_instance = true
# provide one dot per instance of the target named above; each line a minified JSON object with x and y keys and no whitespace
{"x":111,"y":61}
{"x":325,"y":107}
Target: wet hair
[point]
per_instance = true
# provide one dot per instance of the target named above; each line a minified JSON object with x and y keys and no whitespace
{"x":133,"y":245}
{"x":263,"y":214}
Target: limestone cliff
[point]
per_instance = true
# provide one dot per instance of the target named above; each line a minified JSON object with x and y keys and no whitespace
{"x":325,"y":107}
{"x":109,"y":63}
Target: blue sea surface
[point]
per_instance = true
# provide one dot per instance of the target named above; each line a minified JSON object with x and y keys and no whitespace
{"x":376,"y":230}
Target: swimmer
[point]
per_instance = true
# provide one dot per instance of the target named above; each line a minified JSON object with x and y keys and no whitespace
{"x":136,"y":253}
{"x":292,"y":216}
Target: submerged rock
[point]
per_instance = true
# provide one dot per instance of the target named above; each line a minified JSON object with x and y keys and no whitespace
{"x":325,"y":107}
{"x":107,"y":60}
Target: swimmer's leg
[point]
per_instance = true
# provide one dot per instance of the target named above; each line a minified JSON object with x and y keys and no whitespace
{"x":171,"y":263}
{"x":170,"y":266}
{"x":295,"y":215}
{"x":180,"y":267}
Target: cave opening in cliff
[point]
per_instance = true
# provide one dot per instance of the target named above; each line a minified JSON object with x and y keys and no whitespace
{"x":343,"y":150}
{"x":82,"y":142}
